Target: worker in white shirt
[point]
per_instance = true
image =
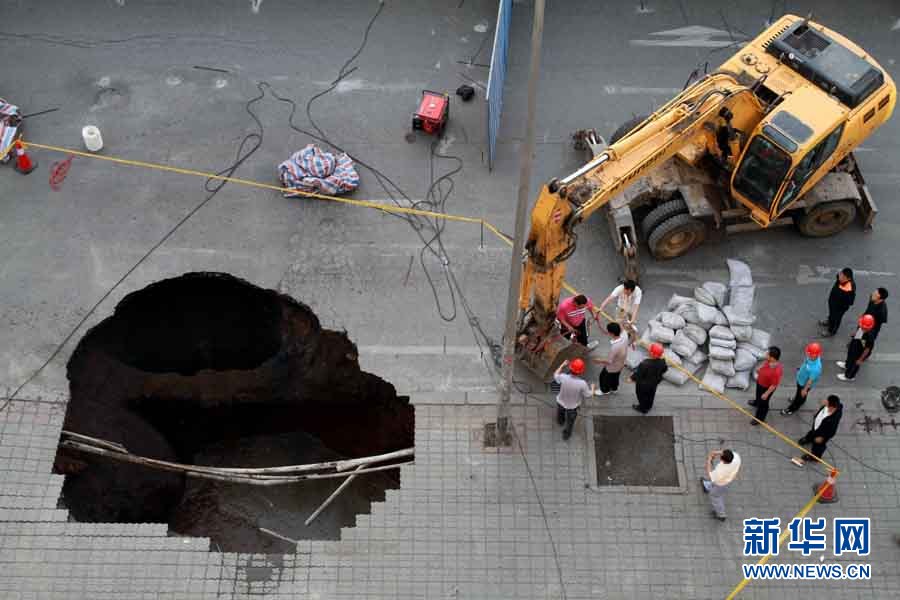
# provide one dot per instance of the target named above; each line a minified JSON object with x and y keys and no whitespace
{"x":717,"y":479}
{"x":614,"y":361}
{"x":628,"y":303}
{"x":572,"y":390}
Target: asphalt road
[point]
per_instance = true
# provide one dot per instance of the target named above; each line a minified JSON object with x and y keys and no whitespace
{"x":130,"y":68}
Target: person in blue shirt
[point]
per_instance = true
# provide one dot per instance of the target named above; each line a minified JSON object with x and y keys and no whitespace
{"x":807,"y":376}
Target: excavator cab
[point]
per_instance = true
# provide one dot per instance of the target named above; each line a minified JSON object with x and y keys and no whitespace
{"x":792,"y":147}
{"x":832,"y":97}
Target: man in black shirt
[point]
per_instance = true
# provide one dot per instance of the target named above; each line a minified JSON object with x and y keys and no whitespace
{"x":825,"y":425}
{"x":841,"y":298}
{"x":878,"y":309}
{"x":647,"y":377}
{"x":859,"y":349}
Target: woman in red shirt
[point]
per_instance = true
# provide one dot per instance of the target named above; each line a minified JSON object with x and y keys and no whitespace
{"x":767,"y":379}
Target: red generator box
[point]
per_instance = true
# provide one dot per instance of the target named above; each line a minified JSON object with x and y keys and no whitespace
{"x":434,"y":109}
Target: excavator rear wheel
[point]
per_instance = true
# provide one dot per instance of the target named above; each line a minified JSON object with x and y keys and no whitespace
{"x":676,"y":236}
{"x":661,"y":213}
{"x":827,"y":218}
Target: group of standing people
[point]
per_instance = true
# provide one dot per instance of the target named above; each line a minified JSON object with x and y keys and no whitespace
{"x":859,"y":349}
{"x":768,"y":377}
{"x":573,"y":315}
{"x":862,"y":343}
{"x":722,"y":465}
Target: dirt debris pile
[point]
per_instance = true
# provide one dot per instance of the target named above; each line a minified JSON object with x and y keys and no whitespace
{"x":201,"y":359}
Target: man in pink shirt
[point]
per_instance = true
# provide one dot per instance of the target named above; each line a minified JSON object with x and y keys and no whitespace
{"x":572,"y":316}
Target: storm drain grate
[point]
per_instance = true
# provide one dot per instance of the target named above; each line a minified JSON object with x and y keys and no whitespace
{"x":635,"y":451}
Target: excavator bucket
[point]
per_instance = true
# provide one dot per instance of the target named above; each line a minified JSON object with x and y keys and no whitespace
{"x":550,"y":353}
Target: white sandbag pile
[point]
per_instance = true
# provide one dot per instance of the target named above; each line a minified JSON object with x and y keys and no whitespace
{"x":715,"y":326}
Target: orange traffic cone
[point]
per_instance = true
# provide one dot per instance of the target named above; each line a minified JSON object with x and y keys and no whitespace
{"x":24,"y":164}
{"x":829,"y":492}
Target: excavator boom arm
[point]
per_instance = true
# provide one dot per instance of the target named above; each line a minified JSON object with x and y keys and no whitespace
{"x":656,"y":140}
{"x":562,"y":204}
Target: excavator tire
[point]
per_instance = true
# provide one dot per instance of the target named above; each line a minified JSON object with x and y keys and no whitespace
{"x":676,"y":236}
{"x":662,"y":212}
{"x":626,"y":127}
{"x":826,"y":219}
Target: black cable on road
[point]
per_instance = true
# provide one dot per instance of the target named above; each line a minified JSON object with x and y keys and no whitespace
{"x":212,"y":187}
{"x":435,"y":199}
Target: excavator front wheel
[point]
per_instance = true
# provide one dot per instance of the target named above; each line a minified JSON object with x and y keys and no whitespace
{"x":662,"y":213}
{"x":676,"y":236}
{"x":827,"y":218}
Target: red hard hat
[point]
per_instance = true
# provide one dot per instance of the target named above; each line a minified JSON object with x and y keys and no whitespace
{"x":577,"y":366}
{"x":867,"y":322}
{"x":813,"y":350}
{"x":656,"y":350}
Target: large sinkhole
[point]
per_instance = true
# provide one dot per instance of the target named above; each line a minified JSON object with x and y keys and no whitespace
{"x":208,"y":369}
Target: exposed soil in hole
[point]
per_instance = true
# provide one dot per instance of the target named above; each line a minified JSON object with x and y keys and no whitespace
{"x":209,"y":369}
{"x":219,"y":325}
{"x":637,"y":451}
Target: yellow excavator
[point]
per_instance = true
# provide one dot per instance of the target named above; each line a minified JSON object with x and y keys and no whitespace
{"x":764,"y":140}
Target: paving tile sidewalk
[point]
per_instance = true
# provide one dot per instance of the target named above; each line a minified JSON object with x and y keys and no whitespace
{"x":468,"y":522}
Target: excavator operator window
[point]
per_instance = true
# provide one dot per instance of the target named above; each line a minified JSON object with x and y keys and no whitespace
{"x":809,"y":165}
{"x":762,"y":172}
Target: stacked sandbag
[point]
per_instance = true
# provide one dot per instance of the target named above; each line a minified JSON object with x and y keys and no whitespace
{"x":714,"y":327}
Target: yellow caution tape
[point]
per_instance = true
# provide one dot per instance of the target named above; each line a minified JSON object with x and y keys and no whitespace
{"x":803,"y":511}
{"x":256,"y":184}
{"x":7,"y":150}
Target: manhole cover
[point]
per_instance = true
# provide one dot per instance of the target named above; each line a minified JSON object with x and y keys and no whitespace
{"x":496,"y":438}
{"x":637,"y":450}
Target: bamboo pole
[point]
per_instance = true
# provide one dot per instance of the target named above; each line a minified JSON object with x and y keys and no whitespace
{"x":333,"y":495}
{"x":97,"y":442}
{"x":214,"y":473}
{"x":278,"y":535}
{"x":291,"y":478}
{"x":344,"y":465}
{"x":339,"y":465}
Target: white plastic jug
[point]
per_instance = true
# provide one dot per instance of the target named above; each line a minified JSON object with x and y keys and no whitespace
{"x":92,"y":138}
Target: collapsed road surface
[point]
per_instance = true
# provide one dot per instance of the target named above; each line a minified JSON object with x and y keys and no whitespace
{"x":209,"y":369}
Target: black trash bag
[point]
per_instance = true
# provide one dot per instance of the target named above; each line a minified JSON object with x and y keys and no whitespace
{"x":466,"y":92}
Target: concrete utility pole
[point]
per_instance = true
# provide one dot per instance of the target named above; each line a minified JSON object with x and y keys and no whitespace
{"x":515,"y":265}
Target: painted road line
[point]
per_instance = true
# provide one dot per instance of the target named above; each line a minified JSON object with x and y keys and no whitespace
{"x":808,"y":275}
{"x":805,"y":275}
{"x":626,"y":90}
{"x":692,"y":36}
{"x":421,"y":350}
{"x":363,"y":85}
{"x":877,"y":357}
{"x":390,"y":350}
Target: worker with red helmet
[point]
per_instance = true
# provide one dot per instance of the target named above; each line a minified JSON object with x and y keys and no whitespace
{"x":807,"y":376}
{"x":859,"y":349}
{"x":572,"y":389}
{"x":647,"y":377}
